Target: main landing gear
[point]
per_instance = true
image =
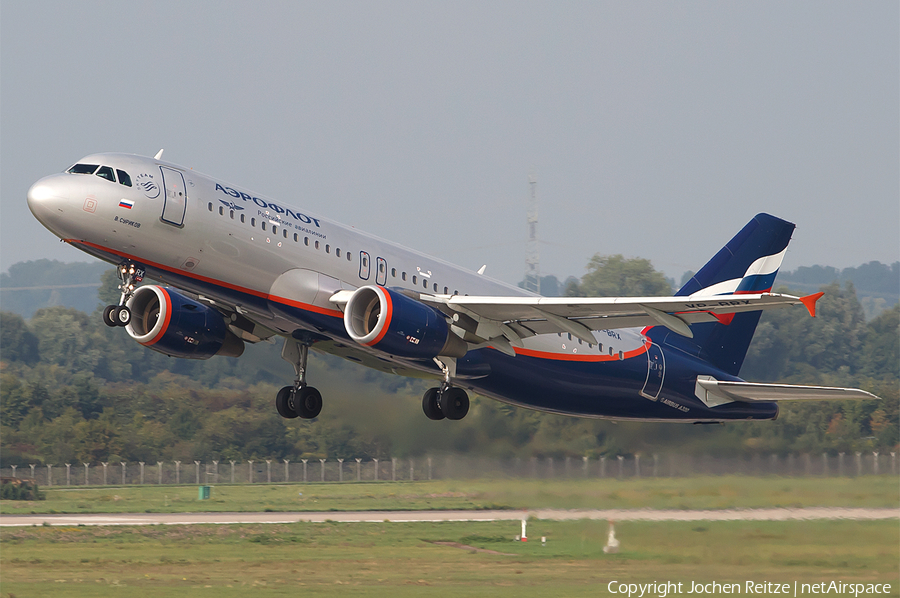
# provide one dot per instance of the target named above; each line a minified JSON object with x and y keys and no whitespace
{"x":298,"y":400}
{"x":119,"y":315}
{"x":451,"y":402}
{"x":445,"y":401}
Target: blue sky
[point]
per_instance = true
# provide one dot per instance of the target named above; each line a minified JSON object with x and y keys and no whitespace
{"x":655,"y":129}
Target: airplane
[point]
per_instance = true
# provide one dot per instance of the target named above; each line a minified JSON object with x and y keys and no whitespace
{"x":237,"y":267}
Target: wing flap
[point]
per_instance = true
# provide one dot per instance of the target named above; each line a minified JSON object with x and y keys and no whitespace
{"x":543,"y":314}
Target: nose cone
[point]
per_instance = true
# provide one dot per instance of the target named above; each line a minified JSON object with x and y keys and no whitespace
{"x":45,"y":200}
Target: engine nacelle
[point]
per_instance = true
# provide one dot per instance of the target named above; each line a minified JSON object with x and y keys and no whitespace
{"x":169,"y":322}
{"x":395,"y":324}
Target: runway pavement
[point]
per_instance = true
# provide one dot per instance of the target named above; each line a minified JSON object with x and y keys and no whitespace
{"x":775,"y":514}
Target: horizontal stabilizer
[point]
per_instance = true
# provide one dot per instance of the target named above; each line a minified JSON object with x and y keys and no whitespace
{"x":717,"y":392}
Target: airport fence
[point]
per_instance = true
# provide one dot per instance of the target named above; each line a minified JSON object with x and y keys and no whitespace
{"x":268,"y":471}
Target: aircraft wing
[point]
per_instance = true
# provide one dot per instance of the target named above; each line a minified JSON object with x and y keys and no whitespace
{"x":519,"y":317}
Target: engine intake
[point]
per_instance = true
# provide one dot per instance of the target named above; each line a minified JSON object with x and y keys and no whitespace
{"x":169,"y":322}
{"x":392,"y":322}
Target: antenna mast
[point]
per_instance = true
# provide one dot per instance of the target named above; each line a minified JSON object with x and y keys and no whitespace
{"x":532,"y":258}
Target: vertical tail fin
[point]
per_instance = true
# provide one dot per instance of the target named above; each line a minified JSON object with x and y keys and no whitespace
{"x":747,"y":264}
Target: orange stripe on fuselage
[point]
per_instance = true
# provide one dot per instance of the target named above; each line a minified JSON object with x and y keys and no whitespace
{"x":283,"y":300}
{"x":576,"y":357}
{"x":339,"y":314}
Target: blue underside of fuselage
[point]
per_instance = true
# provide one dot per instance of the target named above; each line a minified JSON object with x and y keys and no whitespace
{"x":607,"y":389}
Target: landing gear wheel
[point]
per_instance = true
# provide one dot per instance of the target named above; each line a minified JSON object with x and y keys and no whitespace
{"x":454,"y":403}
{"x":130,"y":274}
{"x":108,"y":315}
{"x":122,"y":316}
{"x":307,"y":402}
{"x":284,"y":402}
{"x":430,"y":404}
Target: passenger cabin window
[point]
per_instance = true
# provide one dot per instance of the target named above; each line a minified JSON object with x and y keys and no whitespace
{"x":242,"y":218}
{"x":337,"y":252}
{"x":83,"y":169}
{"x":263,"y":225}
{"x":105,"y":172}
{"x":221,"y":211}
{"x":124,"y":179}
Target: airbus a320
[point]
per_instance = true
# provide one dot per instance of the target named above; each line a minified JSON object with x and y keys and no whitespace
{"x":237,"y":268}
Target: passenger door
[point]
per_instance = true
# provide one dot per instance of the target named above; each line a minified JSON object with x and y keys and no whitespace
{"x":175,"y":198}
{"x":656,"y":372}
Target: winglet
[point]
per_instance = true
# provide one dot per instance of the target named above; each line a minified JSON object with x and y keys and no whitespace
{"x":810,"y":302}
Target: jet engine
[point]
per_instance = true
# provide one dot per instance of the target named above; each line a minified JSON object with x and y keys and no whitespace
{"x":398,"y":325}
{"x":169,"y":322}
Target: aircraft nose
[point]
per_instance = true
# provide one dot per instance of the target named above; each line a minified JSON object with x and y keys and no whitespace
{"x":45,"y":199}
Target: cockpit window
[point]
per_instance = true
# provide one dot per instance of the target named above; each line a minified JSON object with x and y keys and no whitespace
{"x":83,"y":169}
{"x":105,"y":172}
{"x":124,"y":179}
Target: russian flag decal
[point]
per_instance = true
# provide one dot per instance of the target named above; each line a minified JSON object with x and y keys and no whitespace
{"x":126,"y":203}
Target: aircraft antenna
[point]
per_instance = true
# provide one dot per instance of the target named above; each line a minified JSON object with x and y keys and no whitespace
{"x":532,"y":257}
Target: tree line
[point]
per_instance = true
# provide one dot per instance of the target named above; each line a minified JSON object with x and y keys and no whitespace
{"x":74,"y":390}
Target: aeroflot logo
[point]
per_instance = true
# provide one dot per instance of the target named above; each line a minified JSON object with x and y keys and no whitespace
{"x":271,"y":206}
{"x":231,"y":205}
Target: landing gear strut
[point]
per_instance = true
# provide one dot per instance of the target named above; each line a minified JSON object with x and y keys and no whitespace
{"x":119,"y":315}
{"x":298,"y":400}
{"x":445,"y":401}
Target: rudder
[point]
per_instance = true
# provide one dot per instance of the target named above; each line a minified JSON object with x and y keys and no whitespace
{"x":748,"y":263}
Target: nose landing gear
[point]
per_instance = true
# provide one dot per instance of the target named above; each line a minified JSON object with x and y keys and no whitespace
{"x":119,"y":315}
{"x":298,"y":400}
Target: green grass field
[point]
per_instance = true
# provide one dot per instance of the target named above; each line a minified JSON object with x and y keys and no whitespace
{"x":452,"y":559}
{"x":657,"y":493}
{"x":405,"y":559}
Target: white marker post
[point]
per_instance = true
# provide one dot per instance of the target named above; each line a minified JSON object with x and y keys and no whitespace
{"x":612,"y":544}
{"x":524,"y":537}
